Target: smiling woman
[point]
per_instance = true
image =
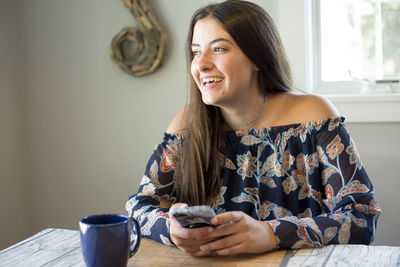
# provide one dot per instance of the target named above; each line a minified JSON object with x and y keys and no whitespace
{"x":215,"y":59}
{"x":279,"y":169}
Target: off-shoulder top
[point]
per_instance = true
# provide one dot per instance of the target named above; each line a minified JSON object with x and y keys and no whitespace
{"x":306,"y":180}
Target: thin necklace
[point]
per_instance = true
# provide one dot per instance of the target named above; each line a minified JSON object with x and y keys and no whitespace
{"x":254,"y":119}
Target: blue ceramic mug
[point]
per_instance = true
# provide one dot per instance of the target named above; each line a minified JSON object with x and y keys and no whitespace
{"x":106,"y":239}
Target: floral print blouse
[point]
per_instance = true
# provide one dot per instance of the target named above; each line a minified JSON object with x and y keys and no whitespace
{"x":306,"y":180}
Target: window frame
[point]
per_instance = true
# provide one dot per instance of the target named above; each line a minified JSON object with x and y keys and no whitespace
{"x":348,"y":96}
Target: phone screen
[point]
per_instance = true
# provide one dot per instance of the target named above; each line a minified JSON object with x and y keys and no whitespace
{"x":194,"y":217}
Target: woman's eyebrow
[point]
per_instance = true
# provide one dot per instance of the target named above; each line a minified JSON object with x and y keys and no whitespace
{"x":214,"y":41}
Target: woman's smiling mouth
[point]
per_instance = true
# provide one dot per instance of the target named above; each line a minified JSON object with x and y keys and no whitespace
{"x":209,"y":81}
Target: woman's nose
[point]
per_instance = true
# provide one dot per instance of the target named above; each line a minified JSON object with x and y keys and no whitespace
{"x":205,"y":62}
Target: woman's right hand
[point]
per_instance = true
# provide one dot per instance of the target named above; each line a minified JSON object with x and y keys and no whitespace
{"x":188,"y":240}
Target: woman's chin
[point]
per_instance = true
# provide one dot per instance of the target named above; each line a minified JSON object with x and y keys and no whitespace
{"x":208,"y":101}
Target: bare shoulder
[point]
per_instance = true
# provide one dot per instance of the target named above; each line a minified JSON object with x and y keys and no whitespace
{"x":177,"y":123}
{"x":311,"y":107}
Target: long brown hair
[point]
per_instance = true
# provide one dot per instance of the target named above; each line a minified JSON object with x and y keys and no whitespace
{"x":198,"y":178}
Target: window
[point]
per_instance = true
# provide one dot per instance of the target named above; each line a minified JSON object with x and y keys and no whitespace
{"x":354,"y":55}
{"x":356,"y":44}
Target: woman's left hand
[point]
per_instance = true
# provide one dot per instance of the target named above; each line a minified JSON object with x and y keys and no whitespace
{"x":239,"y":233}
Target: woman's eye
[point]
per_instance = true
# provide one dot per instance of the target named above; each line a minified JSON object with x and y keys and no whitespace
{"x":195,"y":53}
{"x":219,"y":49}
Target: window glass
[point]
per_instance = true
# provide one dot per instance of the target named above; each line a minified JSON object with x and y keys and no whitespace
{"x":359,"y":40}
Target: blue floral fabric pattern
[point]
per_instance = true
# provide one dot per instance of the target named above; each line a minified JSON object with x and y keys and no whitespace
{"x":306,"y":180}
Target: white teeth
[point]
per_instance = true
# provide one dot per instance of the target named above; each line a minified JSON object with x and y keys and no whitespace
{"x":211,"y":80}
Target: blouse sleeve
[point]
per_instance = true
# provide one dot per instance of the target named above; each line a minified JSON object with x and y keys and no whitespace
{"x":155,"y":196}
{"x":349,"y":211}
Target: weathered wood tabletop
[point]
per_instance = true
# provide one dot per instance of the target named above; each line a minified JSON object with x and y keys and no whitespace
{"x":60,"y":247}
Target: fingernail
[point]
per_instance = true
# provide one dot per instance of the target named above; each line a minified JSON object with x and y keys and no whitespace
{"x":204,"y":248}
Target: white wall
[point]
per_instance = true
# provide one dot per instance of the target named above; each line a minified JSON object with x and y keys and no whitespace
{"x":90,"y":127}
{"x":379,"y":149}
{"x":14,"y":194}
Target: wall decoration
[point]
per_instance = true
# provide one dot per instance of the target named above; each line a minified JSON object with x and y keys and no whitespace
{"x":139,"y":52}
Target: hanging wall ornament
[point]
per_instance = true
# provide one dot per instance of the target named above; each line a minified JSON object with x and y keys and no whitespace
{"x":139,"y":52}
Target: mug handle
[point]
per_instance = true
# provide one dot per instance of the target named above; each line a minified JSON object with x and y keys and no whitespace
{"x":134,"y":244}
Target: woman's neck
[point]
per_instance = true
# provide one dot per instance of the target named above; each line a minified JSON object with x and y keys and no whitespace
{"x":242,"y":117}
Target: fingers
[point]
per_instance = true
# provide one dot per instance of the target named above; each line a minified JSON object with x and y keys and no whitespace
{"x":178,"y":231}
{"x":236,"y":233}
{"x":229,"y":234}
{"x":195,"y":251}
{"x":188,"y":240}
{"x":227,"y":217}
{"x":222,"y":243}
{"x":228,"y":224}
{"x":243,"y":234}
{"x":227,"y":246}
{"x":190,"y":234}
{"x":239,"y":248}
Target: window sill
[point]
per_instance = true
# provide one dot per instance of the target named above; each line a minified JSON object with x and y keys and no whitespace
{"x":364,"y":108}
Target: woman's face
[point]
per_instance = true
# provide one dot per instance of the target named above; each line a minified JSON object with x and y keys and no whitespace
{"x":223,"y":73}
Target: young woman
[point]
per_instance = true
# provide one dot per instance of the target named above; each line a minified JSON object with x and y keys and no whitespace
{"x":279,"y":168}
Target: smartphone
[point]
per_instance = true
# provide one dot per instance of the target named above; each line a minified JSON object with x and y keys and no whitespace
{"x":194,"y":216}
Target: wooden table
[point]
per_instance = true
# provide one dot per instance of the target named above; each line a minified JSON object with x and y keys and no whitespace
{"x":152,"y":253}
{"x":60,"y":247}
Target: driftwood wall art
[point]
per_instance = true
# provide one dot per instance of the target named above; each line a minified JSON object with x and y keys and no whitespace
{"x":139,"y":52}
